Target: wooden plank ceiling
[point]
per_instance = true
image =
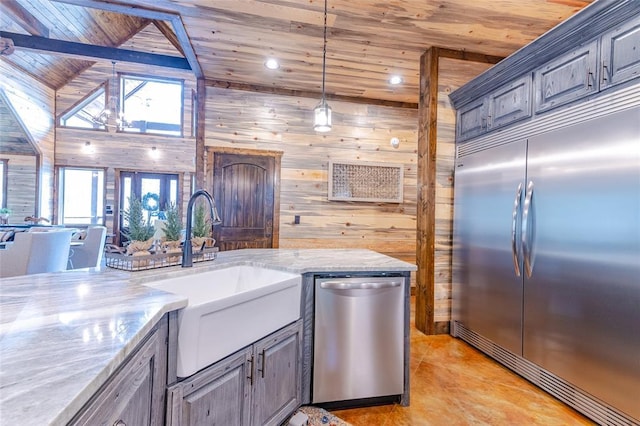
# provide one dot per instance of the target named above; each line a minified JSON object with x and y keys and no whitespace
{"x":368,"y":41}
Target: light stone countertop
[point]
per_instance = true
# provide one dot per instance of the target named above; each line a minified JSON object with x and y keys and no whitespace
{"x":62,"y":335}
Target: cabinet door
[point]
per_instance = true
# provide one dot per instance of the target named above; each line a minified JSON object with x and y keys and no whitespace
{"x":128,"y":398}
{"x":510,"y":103}
{"x":217,"y":395}
{"x":621,"y":54}
{"x":277,"y":388}
{"x":472,"y":120}
{"x":567,"y":78}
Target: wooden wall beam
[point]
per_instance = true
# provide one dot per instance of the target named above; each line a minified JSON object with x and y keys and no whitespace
{"x":201,"y":101}
{"x":308,"y":94}
{"x":426,"y":203}
{"x":24,"y":18}
{"x":426,"y":197}
{"x":84,"y":51}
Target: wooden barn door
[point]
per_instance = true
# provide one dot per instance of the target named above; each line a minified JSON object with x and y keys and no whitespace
{"x":247,"y":193}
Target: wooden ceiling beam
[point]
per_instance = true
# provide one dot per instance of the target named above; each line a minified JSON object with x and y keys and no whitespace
{"x":49,"y":45}
{"x":148,"y":13}
{"x":308,"y":94}
{"x":24,"y":18}
{"x":168,"y":33}
{"x":468,"y":56}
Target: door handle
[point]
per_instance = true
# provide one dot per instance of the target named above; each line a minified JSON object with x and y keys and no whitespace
{"x":527,"y":226}
{"x":345,"y":285}
{"x":514,"y":230}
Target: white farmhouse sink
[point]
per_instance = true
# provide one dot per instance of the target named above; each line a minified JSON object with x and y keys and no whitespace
{"x":229,"y":309}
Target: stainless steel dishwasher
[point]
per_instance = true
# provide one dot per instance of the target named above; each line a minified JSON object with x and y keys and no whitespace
{"x":358,"y":350}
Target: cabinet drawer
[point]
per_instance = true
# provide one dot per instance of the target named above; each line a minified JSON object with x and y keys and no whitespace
{"x":621,"y":54}
{"x":567,"y":78}
{"x":511,"y":103}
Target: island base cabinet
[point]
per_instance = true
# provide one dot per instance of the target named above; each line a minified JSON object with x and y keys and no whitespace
{"x":217,"y":395}
{"x":278,"y":385}
{"x":134,"y":395}
{"x":258,"y":385}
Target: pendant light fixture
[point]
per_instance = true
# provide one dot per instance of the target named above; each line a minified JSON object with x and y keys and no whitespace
{"x":322,"y":112}
{"x":112,"y":106}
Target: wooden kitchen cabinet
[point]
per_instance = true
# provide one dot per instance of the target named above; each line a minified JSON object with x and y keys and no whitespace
{"x":500,"y":108}
{"x":278,"y":376}
{"x":258,"y":385}
{"x":135,"y":393}
{"x":621,"y":54}
{"x":472,"y":119}
{"x":567,"y":78}
{"x":510,"y":103}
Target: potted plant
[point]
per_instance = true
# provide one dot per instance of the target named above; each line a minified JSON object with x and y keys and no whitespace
{"x":140,"y":232}
{"x":201,"y":229}
{"x":172,"y":228}
{"x":4,"y":214}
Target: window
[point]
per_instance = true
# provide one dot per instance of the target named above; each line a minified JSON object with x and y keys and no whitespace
{"x":81,"y":196}
{"x":3,"y":183}
{"x":152,"y":105}
{"x":87,"y":113}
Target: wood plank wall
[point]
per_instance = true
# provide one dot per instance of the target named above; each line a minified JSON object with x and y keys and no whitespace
{"x":445,"y":158}
{"x":126,"y":151}
{"x":34,"y":103}
{"x":360,"y":132}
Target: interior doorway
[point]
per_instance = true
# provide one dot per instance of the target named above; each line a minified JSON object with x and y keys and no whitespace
{"x":246,"y":186}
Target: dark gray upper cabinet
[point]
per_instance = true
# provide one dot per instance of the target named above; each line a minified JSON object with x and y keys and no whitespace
{"x":510,"y":103}
{"x":506,"y":105}
{"x":472,"y":119}
{"x":568,"y":61}
{"x":621,"y":54}
{"x":567,"y":78}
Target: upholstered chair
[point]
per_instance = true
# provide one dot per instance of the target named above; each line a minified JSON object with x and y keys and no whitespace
{"x":89,"y":253}
{"x":35,"y":252}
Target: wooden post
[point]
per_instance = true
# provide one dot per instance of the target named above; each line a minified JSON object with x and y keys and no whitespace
{"x":426,"y":204}
{"x":201,"y":95}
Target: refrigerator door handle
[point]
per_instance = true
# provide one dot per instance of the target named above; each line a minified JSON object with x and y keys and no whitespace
{"x":527,"y":217}
{"x":514,"y":224}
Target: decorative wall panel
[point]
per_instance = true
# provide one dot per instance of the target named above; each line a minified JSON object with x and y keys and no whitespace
{"x":373,"y":182}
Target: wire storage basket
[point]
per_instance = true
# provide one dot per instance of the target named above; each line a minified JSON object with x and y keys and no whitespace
{"x":116,"y":257}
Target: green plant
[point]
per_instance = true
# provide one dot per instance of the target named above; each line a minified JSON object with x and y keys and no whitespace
{"x":5,"y":210}
{"x":139,"y":229}
{"x":173,"y":226}
{"x":200,"y":226}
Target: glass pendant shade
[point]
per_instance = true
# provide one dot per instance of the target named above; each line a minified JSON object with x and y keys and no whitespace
{"x":322,"y":117}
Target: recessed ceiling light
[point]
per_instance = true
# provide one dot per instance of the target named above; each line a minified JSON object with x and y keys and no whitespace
{"x":272,"y":64}
{"x":395,"y":79}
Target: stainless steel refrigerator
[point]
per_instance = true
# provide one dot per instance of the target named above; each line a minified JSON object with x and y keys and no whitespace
{"x":547,"y":252}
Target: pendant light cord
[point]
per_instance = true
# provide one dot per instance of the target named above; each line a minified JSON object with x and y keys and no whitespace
{"x":324,"y":51}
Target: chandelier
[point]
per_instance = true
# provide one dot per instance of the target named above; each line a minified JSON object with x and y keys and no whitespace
{"x":322,"y":112}
{"x":112,"y":106}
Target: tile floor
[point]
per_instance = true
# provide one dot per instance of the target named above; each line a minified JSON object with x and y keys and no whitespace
{"x":454,"y":384}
